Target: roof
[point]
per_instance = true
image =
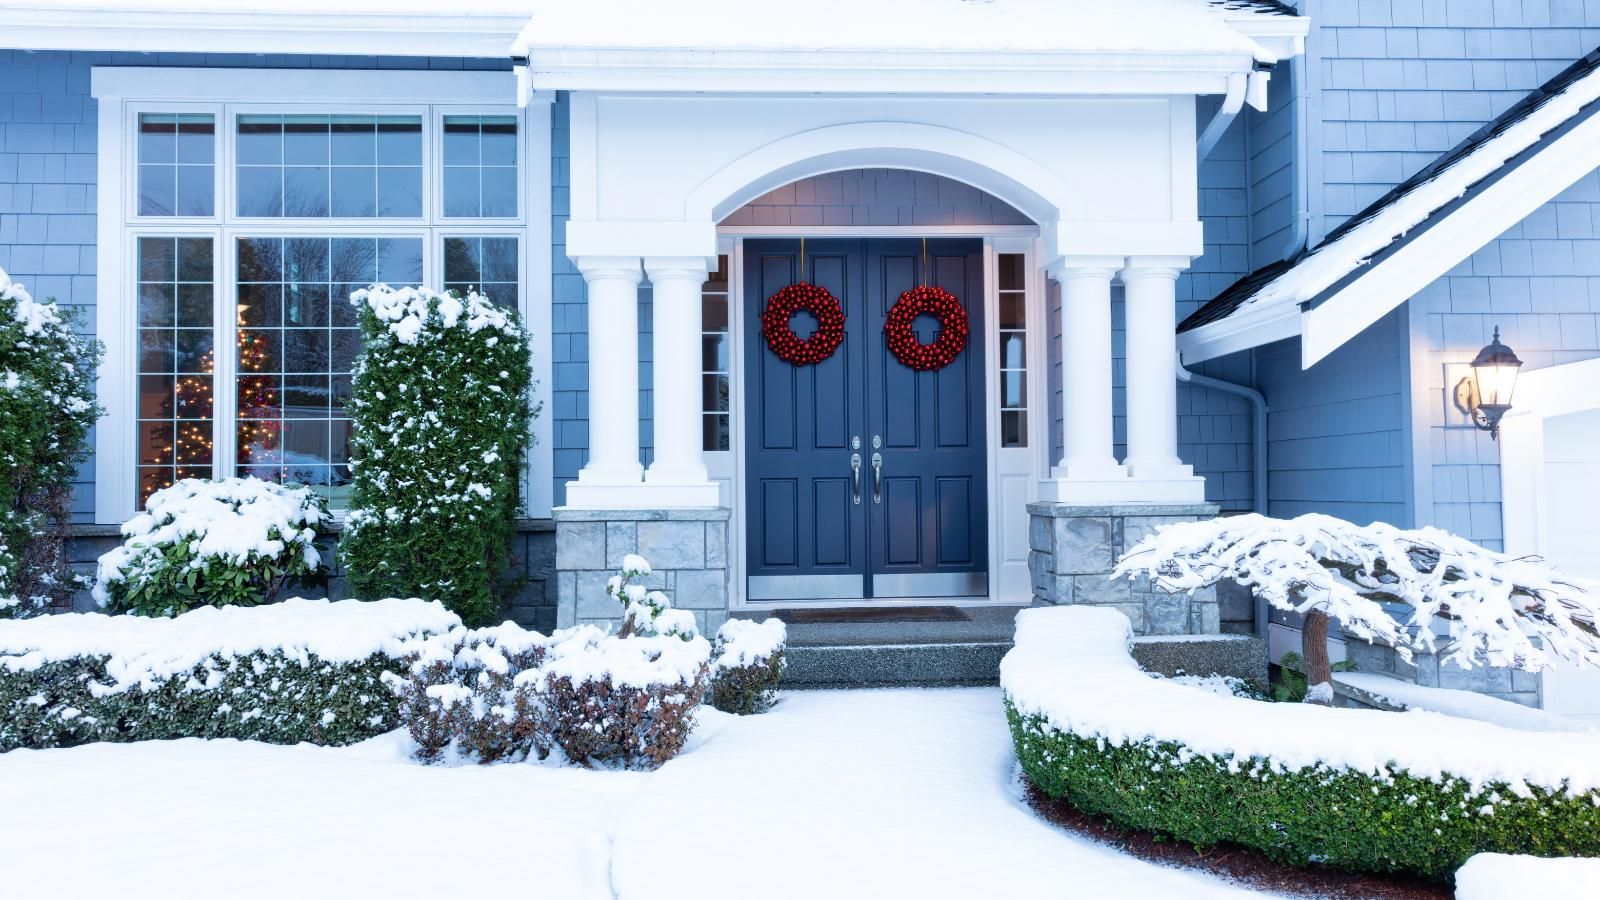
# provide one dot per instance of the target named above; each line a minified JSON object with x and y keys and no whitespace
{"x":1512,"y":139}
{"x":1124,"y":26}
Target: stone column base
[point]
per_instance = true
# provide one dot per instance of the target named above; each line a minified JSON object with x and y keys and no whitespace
{"x":1074,"y":548}
{"x":687,"y":549}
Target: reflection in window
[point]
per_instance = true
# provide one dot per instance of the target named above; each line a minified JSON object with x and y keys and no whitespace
{"x":175,"y":361}
{"x":177,"y":164}
{"x":480,"y":166}
{"x":297,"y":343}
{"x":357,"y":167}
{"x":1013,"y":351}
{"x":714,"y":351}
{"x":487,"y":265}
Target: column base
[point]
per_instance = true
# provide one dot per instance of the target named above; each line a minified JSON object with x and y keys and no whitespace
{"x":680,"y":486}
{"x":1107,"y":491}
{"x":642,"y":495}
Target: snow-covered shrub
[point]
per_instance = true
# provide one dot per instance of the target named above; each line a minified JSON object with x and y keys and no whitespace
{"x":1358,"y":789}
{"x":507,"y":694}
{"x":461,"y":688}
{"x":301,"y":670}
{"x":621,"y":701}
{"x":47,"y":407}
{"x":440,"y":411}
{"x":1496,"y":610}
{"x":647,"y":613}
{"x":228,"y":542}
{"x":747,"y":664}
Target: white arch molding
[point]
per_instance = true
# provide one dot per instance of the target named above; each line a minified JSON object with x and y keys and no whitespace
{"x":973,"y":160}
{"x":1541,"y":394}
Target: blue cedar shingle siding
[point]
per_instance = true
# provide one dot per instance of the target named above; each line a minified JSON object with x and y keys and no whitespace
{"x":48,"y":168}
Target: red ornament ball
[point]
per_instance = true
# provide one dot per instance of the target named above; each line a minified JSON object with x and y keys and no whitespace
{"x":780,"y":337}
{"x":953,"y":328}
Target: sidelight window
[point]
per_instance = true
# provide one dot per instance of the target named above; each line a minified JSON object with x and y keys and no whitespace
{"x":1013,"y":332}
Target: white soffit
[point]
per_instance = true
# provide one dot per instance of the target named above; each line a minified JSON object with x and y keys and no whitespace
{"x":457,"y":28}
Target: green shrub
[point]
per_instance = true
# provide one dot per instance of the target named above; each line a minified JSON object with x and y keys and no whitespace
{"x":440,"y":411}
{"x":1291,"y":686}
{"x":47,"y":406}
{"x":231,"y":542}
{"x":747,"y":664}
{"x":1395,"y":822}
{"x":302,"y":670}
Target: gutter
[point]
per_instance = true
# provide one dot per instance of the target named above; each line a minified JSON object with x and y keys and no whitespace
{"x":1300,"y":180}
{"x":1232,"y":103}
{"x":1258,"y":406}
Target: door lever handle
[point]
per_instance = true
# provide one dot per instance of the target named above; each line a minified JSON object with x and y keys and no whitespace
{"x":855,"y":470}
{"x":877,"y":478}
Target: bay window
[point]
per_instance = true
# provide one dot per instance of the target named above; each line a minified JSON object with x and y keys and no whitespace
{"x":247,"y":226}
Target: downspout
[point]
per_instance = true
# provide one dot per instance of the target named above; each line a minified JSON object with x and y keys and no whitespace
{"x":1300,"y":182}
{"x":1258,"y":406}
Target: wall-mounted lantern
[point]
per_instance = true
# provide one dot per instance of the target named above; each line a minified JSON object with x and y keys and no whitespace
{"x":1486,"y":396}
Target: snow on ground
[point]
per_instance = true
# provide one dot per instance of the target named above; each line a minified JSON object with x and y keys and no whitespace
{"x":1497,"y":876}
{"x":1461,"y":704}
{"x":902,"y":793}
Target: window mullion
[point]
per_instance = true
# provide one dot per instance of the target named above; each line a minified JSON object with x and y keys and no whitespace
{"x":226,"y":389}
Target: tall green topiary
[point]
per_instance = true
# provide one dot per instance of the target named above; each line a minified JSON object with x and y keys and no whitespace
{"x":46,"y":410}
{"x":440,"y":411}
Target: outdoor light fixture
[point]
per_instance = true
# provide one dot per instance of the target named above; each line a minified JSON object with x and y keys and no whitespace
{"x":1486,"y":396}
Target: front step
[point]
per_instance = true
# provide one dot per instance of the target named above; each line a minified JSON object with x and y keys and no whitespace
{"x":888,"y":665}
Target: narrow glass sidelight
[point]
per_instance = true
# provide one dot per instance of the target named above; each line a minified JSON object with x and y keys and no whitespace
{"x":175,"y":363}
{"x":1012,"y":328}
{"x":714,"y":367}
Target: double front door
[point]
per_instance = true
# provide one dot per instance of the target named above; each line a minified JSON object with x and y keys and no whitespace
{"x":866,"y":479}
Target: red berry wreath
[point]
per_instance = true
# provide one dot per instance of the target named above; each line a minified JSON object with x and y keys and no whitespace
{"x":953,"y":328}
{"x":781,"y":338}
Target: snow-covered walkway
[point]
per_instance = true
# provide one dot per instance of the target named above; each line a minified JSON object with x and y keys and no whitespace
{"x":880,"y":794}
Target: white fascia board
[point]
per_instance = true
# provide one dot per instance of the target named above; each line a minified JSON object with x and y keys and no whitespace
{"x":1282,"y":36}
{"x":1449,"y":239}
{"x":1249,"y":327}
{"x":291,"y":31}
{"x":323,"y":85}
{"x":856,"y":72}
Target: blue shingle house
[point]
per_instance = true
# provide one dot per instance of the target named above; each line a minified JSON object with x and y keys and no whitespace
{"x":1207,"y":256}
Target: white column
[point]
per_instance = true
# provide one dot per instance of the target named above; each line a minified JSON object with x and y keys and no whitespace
{"x":613,"y":472}
{"x":677,"y":476}
{"x":1086,"y":369}
{"x":1150,"y":285}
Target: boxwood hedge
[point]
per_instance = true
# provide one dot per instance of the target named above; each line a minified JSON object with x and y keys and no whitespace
{"x":1395,"y":822}
{"x":261,"y":696}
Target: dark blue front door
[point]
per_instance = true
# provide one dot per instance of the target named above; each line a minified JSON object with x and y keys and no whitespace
{"x":865,"y":478}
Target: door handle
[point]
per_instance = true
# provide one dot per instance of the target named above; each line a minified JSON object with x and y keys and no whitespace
{"x":855,"y":470}
{"x":877,"y":478}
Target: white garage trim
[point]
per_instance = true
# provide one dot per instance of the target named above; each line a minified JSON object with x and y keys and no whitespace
{"x":1541,"y":394}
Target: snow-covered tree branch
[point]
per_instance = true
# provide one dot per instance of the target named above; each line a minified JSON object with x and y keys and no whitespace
{"x":1492,"y":609}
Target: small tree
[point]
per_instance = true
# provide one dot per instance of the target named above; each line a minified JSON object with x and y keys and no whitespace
{"x":1497,"y":610}
{"x":47,"y":407}
{"x":440,"y":410}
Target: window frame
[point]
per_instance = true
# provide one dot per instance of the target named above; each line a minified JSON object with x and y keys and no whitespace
{"x":128,"y":93}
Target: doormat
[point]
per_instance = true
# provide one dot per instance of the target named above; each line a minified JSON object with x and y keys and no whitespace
{"x":861,"y":616}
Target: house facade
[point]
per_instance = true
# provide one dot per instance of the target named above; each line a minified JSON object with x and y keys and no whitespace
{"x":1140,"y":209}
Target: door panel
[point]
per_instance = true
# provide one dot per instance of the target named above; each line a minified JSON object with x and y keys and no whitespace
{"x":805,"y":530}
{"x":932,"y":521}
{"x":922,"y":532}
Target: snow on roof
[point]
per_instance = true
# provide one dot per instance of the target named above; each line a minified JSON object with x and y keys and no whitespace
{"x":1122,"y":26}
{"x":1505,"y":141}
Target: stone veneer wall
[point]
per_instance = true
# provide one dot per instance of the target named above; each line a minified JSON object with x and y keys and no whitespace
{"x":1074,"y":548}
{"x":687,"y":548}
{"x":530,"y":576}
{"x":1426,"y":670}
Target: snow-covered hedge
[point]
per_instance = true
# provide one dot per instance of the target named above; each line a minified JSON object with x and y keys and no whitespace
{"x":230,"y":542}
{"x":301,"y":670}
{"x":505,"y":693}
{"x":747,"y":665}
{"x":1497,"y":876}
{"x":46,"y":410}
{"x":1360,"y":789}
{"x":440,"y":410}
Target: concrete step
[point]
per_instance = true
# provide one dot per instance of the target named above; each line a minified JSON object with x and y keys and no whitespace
{"x":881,"y":665}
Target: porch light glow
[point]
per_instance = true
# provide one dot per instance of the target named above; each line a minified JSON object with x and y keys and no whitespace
{"x":1494,"y":372}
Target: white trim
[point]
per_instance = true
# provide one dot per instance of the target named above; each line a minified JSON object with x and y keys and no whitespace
{"x":1249,"y":326}
{"x":302,"y":87}
{"x":114,"y":464}
{"x":1541,"y":394}
{"x":821,"y":231}
{"x":537,"y":298}
{"x":433,"y":30}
